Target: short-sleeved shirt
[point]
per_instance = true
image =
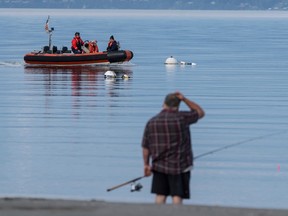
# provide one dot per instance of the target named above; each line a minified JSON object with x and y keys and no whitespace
{"x":167,"y":137}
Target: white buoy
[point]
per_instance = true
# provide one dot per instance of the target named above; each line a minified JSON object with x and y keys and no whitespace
{"x":171,"y":60}
{"x":125,"y":76}
{"x":110,"y":75}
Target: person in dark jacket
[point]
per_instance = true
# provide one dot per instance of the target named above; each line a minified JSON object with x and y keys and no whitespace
{"x":112,"y":44}
{"x":77,"y":44}
{"x":167,"y":150}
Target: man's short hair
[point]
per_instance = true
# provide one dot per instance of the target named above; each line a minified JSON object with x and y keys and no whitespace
{"x":171,"y":100}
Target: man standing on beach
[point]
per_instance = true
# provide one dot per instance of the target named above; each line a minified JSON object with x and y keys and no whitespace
{"x":167,"y":142}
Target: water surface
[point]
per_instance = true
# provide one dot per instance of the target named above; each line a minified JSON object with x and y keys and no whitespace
{"x":69,"y":133}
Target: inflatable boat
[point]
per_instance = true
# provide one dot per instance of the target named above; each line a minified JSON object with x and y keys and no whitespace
{"x":65,"y":57}
{"x":51,"y":56}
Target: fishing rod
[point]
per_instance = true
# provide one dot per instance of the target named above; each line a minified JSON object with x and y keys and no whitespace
{"x":134,"y":187}
{"x":137,"y":187}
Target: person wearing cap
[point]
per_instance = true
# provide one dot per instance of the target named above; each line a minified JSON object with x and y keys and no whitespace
{"x":167,"y":150}
{"x":77,"y":44}
{"x":112,"y":44}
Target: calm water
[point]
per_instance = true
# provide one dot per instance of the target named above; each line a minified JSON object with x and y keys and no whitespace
{"x":68,"y":133}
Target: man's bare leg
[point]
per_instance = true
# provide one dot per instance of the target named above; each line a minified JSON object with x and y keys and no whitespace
{"x":177,"y":200}
{"x":160,"y":199}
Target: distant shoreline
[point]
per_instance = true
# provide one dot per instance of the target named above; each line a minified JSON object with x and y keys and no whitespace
{"x":145,"y":13}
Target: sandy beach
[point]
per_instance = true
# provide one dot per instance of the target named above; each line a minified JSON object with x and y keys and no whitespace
{"x":60,"y":207}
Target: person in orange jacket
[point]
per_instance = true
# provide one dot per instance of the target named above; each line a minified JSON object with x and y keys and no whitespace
{"x":93,"y":48}
{"x":77,"y":44}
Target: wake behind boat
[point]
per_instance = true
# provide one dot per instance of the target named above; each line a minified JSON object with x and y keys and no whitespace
{"x":51,"y":56}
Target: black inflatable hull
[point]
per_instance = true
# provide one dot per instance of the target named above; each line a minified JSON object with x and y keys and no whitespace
{"x":35,"y":58}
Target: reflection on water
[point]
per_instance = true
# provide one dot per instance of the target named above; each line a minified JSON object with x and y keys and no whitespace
{"x":171,"y":68}
{"x":88,"y":69}
{"x":81,"y":77}
{"x":81,"y":82}
{"x":118,"y":68}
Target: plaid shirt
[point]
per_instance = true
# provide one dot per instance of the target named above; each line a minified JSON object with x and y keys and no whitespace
{"x":167,"y":137}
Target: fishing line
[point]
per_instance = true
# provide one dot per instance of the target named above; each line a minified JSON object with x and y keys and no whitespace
{"x":138,"y":186}
{"x":233,"y":145}
{"x":238,"y":143}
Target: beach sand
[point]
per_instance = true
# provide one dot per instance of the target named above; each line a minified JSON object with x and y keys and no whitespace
{"x":61,"y":207}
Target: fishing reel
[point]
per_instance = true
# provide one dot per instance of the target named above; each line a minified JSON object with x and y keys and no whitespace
{"x":136,"y":187}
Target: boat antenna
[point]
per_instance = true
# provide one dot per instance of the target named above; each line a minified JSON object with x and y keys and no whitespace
{"x":49,"y":31}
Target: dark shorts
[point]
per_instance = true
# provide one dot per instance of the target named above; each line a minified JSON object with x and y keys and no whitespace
{"x":171,"y":185}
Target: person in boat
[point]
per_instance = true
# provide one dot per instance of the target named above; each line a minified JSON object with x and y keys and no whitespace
{"x":77,"y":44}
{"x":93,"y":47}
{"x":167,"y":150}
{"x":112,"y":44}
